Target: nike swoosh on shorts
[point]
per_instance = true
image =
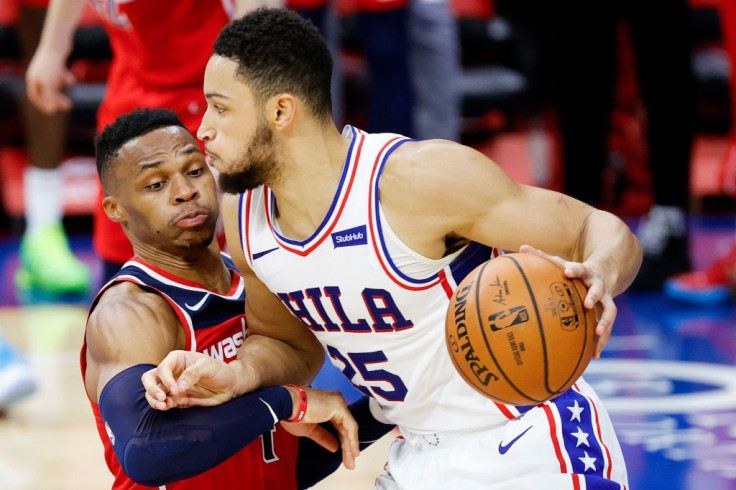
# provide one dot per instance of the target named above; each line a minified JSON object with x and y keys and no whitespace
{"x":503,"y":449}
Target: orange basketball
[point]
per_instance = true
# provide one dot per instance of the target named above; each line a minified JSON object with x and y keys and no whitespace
{"x":517,"y":330}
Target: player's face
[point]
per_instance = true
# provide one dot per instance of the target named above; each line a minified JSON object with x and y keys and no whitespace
{"x":164,"y":193}
{"x":237,"y":137}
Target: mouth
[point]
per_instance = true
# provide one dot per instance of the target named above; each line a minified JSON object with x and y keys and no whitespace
{"x":210,"y":157}
{"x":192,"y":219}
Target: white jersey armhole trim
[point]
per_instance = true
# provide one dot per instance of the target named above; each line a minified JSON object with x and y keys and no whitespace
{"x":423,"y":267}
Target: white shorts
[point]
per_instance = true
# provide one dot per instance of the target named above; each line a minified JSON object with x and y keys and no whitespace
{"x":565,"y":443}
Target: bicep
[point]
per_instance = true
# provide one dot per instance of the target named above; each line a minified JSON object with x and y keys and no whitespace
{"x":475,"y":199}
{"x":124,"y":333}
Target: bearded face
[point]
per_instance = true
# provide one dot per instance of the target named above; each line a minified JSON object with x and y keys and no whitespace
{"x":257,"y":163}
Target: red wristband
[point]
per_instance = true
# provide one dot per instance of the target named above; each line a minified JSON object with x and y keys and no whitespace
{"x":302,"y":410}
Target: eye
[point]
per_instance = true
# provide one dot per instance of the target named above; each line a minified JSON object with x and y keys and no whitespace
{"x":155,"y":186}
{"x":196,"y":172}
{"x":219,"y":109}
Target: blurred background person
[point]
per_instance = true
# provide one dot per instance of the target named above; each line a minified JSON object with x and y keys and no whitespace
{"x":434,"y":61}
{"x":412,"y":56}
{"x":46,"y":260}
{"x":159,"y":50}
{"x":577,"y":72}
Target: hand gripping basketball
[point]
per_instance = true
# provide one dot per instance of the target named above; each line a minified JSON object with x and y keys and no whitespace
{"x":518,"y":331}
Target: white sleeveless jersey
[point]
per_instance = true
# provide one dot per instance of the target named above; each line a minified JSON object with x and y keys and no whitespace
{"x":377,"y":307}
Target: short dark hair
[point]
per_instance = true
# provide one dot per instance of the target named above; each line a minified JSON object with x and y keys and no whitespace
{"x":278,"y":51}
{"x":125,"y":128}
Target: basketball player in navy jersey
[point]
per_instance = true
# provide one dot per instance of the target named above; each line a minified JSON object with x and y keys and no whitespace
{"x":363,"y":238}
{"x":179,"y":292}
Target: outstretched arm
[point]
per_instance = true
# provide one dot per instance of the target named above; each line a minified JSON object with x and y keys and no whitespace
{"x":279,"y":349}
{"x":158,"y":447}
{"x":128,"y":332}
{"x":458,"y":192}
{"x":47,"y":75}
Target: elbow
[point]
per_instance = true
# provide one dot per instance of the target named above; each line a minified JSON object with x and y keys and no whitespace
{"x":154,"y":464}
{"x":637,"y":253}
{"x":630,"y":264}
{"x":138,"y":466}
{"x":148,"y":477}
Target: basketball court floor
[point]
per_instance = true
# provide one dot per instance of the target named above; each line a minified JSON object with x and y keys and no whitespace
{"x":668,"y":378}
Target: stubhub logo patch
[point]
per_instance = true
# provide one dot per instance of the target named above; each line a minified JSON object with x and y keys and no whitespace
{"x":350,"y":237}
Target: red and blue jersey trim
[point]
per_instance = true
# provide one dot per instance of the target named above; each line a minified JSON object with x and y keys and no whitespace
{"x":244,"y":207}
{"x":471,"y":257}
{"x":196,"y":306}
{"x":571,"y":416}
{"x":347,"y":179}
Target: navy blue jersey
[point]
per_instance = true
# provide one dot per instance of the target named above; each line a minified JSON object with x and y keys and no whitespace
{"x":215,"y":325}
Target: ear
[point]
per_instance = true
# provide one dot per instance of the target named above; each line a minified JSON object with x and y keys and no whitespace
{"x":282,"y":110}
{"x":113,"y":210}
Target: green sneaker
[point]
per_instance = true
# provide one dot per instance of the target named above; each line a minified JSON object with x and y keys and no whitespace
{"x":48,"y":265}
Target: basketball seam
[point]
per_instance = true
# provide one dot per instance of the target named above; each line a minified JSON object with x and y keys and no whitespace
{"x":585,"y":337}
{"x":540,"y":325}
{"x":585,"y":318}
{"x":485,"y":339}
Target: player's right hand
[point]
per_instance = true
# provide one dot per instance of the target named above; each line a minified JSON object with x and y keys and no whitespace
{"x":47,"y":77}
{"x":599,"y":295}
{"x":185,"y":379}
{"x":327,"y":406}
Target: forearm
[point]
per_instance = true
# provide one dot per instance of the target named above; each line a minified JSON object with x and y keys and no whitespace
{"x":264,"y":361}
{"x":61,"y":21}
{"x":607,"y":245}
{"x":157,"y":447}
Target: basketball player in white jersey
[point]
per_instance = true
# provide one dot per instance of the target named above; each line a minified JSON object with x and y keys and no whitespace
{"x":363,"y":238}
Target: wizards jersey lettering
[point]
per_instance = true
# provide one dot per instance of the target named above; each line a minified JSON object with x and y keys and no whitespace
{"x":326,"y":302}
{"x":227,"y":348}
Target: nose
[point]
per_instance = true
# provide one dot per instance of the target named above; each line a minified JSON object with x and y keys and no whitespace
{"x":184,"y":190}
{"x":205,"y":131}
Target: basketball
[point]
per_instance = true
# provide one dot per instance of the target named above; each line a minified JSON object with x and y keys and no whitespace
{"x":517,"y":330}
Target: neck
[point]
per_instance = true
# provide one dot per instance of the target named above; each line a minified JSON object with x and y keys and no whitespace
{"x":313,"y":161}
{"x":203,"y":266}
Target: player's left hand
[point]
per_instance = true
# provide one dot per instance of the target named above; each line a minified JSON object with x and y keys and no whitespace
{"x":327,"y":406}
{"x":599,"y":295}
{"x":184,"y":379}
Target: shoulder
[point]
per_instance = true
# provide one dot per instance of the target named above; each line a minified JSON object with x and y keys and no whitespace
{"x":126,"y":303}
{"x":424,"y":171}
{"x":426,"y":161}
